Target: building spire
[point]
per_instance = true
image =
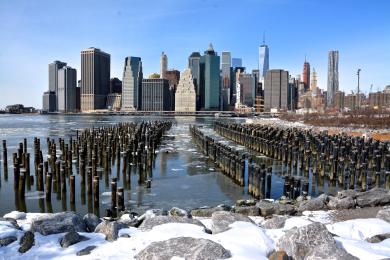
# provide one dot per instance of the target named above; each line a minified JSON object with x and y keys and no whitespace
{"x":263,"y":38}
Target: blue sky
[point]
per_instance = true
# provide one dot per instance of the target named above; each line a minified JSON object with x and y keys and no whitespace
{"x":34,"y":33}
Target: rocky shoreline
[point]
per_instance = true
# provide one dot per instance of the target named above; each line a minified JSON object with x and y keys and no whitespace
{"x":318,"y":228}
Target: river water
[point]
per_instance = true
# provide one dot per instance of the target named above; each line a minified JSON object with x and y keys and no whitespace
{"x":182,"y":176}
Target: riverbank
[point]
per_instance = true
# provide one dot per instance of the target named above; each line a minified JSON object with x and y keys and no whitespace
{"x":210,"y":233}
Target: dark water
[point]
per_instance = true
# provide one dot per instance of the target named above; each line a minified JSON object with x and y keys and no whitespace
{"x":182,"y":176}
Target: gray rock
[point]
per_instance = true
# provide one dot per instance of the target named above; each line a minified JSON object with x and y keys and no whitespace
{"x":245,"y":203}
{"x":58,"y":223}
{"x":267,"y":208}
{"x":71,"y":238}
{"x":91,"y":221}
{"x":318,"y":203}
{"x":26,"y":242}
{"x":85,"y":251}
{"x":207,"y":212}
{"x":384,"y":214}
{"x":378,"y":238}
{"x":151,"y":213}
{"x":341,"y":203}
{"x":130,"y":222}
{"x":177,"y":212}
{"x":347,"y":193}
{"x":284,"y":209}
{"x":125,"y":235}
{"x":11,"y":221}
{"x":297,"y":242}
{"x":108,"y":228}
{"x":373,"y":197}
{"x":222,"y":219}
{"x":329,"y":251}
{"x":150,"y":223}
{"x":7,"y":240}
{"x":247,"y":210}
{"x":185,"y":247}
{"x":275,"y":222}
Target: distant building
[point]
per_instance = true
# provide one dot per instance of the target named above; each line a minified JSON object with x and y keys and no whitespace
{"x":226,"y":64}
{"x":53,"y":80}
{"x":351,"y":101}
{"x":194,"y":65}
{"x":236,"y":62}
{"x":163,"y":65}
{"x":115,"y":85}
{"x":49,"y":101}
{"x":132,"y":84}
{"x":156,"y":95}
{"x":338,"y":100}
{"x":379,"y":100}
{"x":78,"y":98}
{"x":247,"y":89}
{"x":185,"y":98}
{"x":306,"y":75}
{"x":333,"y":76}
{"x":209,"y":80}
{"x":276,"y":85}
{"x":95,"y":78}
{"x":114,"y":101}
{"x":67,"y":84}
{"x":263,"y":60}
{"x":173,"y":77}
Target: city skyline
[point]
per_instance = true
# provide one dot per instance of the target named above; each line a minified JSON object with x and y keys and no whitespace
{"x":27,"y":26}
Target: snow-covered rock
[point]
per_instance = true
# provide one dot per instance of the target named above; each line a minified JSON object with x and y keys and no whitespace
{"x":384,"y":214}
{"x":26,"y":242}
{"x":179,"y":212}
{"x":58,"y":223}
{"x":109,"y":229}
{"x":7,"y":240}
{"x":71,"y":238}
{"x":222,"y":219}
{"x":91,"y":221}
{"x":15,"y":215}
{"x":275,"y":222}
{"x":149,"y":223}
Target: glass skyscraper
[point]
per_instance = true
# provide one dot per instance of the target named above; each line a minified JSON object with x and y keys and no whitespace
{"x":263,"y":61}
{"x":209,"y":80}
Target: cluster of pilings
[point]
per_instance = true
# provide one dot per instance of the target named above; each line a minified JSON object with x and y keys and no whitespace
{"x":352,"y":162}
{"x":94,"y":152}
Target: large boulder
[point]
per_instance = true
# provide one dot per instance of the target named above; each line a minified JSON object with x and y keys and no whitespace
{"x":71,"y":238}
{"x":184,"y":247}
{"x":150,"y":223}
{"x":7,"y":240}
{"x":26,"y":242}
{"x":85,"y":251}
{"x":16,"y":215}
{"x":302,"y":242}
{"x":318,"y":203}
{"x":341,"y":203}
{"x":108,"y":228}
{"x":208,"y":211}
{"x":268,"y":208}
{"x":373,"y":197}
{"x":247,"y":210}
{"x":58,"y":223}
{"x":91,"y":221}
{"x":222,"y":219}
{"x":384,"y":214}
{"x":328,"y":251}
{"x":275,"y":222}
{"x":177,"y":212}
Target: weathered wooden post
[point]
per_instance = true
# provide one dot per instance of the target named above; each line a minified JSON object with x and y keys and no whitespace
{"x":72,"y":188}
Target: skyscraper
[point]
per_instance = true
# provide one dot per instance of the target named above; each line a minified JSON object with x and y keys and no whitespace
{"x":95,"y":78}
{"x":306,"y":75}
{"x":185,"y":98}
{"x":276,"y":85}
{"x":263,"y":60}
{"x":53,"y":78}
{"x":163,"y":65}
{"x":156,"y":95}
{"x":209,"y":80}
{"x":226,"y":81}
{"x":194,"y":65}
{"x":333,"y":76}
{"x":67,"y":83}
{"x":132,"y":83}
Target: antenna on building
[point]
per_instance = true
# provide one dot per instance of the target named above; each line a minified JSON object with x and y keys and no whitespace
{"x":263,"y":38}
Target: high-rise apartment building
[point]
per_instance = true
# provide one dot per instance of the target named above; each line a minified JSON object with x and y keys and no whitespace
{"x":276,"y":85}
{"x":132,"y":83}
{"x":156,"y":95}
{"x":185,"y":97}
{"x":209,"y":80}
{"x":163,"y":65}
{"x":306,"y":75}
{"x":263,"y":61}
{"x":67,"y":84}
{"x":194,"y":65}
{"x":53,"y":78}
{"x":333,"y":76}
{"x":95,"y":78}
{"x":226,"y":64}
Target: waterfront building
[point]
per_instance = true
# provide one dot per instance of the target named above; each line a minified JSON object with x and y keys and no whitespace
{"x":49,"y":101}
{"x":263,"y":61}
{"x":209,"y":80}
{"x":163,"y":65}
{"x":67,"y":84}
{"x":333,"y":76}
{"x":156,"y":95}
{"x":194,"y":65}
{"x":114,"y":101}
{"x":115,"y":85}
{"x":53,"y":78}
{"x":276,"y":85}
{"x":339,"y":98}
{"x":95,"y":78}
{"x":306,"y":75}
{"x":132,"y":84}
{"x":236,"y":62}
{"x":185,"y":98}
{"x":226,"y":64}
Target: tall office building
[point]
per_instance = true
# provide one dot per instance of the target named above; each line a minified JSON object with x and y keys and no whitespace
{"x":185,"y":97}
{"x":247,"y":89}
{"x":132,"y":83}
{"x":156,"y":95}
{"x":209,"y":80}
{"x":95,"y":78}
{"x":236,"y":62}
{"x":49,"y":101}
{"x":53,"y":78}
{"x":333,"y":76}
{"x":306,"y":75}
{"x":163,"y":65}
{"x":276,"y":85}
{"x":194,"y":65}
{"x":226,"y":64}
{"x":263,"y":61}
{"x":67,"y":84}
{"x":115,"y":86}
